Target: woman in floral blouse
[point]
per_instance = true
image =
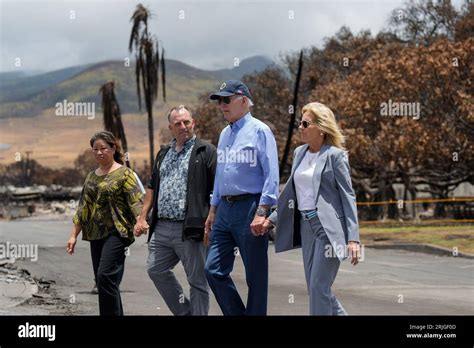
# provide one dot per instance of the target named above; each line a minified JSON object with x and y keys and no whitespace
{"x":111,"y":199}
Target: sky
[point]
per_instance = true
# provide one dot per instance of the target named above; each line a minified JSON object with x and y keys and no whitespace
{"x":210,"y":34}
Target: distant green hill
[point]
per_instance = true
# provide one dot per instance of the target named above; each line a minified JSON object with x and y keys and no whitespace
{"x":20,"y":86}
{"x":28,"y":96}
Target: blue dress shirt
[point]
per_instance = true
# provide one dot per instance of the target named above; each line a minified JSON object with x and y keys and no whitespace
{"x":247,"y":161}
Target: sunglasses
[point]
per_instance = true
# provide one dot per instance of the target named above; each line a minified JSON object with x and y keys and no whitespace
{"x":225,"y":100}
{"x":305,"y":124}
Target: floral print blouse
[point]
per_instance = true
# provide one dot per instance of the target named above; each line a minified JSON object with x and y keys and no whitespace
{"x":109,"y":203}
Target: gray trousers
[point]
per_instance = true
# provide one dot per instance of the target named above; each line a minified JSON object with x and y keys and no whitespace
{"x":166,"y":249}
{"x":320,"y":269}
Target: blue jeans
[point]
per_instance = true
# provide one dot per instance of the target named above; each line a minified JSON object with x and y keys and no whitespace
{"x":231,"y":235}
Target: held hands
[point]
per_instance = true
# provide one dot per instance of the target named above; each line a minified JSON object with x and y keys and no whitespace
{"x":267,"y":225}
{"x":141,"y":227}
{"x":260,"y":225}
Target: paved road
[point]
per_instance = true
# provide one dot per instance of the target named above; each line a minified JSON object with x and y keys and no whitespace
{"x":388,"y":282}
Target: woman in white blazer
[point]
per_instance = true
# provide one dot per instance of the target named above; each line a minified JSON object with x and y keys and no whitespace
{"x":317,"y":208}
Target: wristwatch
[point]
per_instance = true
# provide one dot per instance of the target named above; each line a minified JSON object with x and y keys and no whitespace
{"x":261,"y":212}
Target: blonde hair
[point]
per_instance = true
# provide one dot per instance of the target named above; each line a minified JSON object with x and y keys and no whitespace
{"x":325,"y":119}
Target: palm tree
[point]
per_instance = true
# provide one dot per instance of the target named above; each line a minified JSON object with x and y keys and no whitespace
{"x":112,"y":116}
{"x":147,"y":66}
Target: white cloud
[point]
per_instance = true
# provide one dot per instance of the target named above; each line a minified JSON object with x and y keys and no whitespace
{"x":213,"y":32}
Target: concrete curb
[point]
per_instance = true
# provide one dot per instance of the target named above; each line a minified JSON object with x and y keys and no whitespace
{"x":421,"y":248}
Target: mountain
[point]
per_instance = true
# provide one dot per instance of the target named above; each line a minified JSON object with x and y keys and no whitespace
{"x":246,"y":66}
{"x":19,"y":86}
{"x":14,"y":75}
{"x":11,"y":75}
{"x":28,"y":96}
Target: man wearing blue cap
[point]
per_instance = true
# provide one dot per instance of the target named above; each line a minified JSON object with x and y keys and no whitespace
{"x":245,"y":187}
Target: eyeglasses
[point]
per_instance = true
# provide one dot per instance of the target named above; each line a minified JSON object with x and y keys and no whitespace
{"x":305,"y":124}
{"x":225,"y":100}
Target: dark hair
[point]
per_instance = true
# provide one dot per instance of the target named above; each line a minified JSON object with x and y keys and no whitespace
{"x":110,"y":139}
{"x":179,"y":108}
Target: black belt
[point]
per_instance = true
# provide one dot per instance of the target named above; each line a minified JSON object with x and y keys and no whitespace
{"x":230,"y":199}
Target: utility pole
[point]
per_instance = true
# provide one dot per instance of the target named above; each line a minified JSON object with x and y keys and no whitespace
{"x":291,"y":125}
{"x":27,"y":170}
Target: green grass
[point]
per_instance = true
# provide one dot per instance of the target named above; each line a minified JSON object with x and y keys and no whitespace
{"x":460,"y":237}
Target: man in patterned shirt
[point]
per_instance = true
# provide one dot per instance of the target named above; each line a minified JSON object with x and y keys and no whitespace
{"x":179,"y":193}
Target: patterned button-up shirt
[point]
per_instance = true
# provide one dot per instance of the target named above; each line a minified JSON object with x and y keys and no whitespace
{"x":173,"y":181}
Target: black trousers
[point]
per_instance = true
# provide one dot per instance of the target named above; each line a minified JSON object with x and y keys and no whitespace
{"x":108,"y":260}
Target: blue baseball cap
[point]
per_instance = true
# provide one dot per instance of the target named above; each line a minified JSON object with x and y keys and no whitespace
{"x":231,"y":87}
